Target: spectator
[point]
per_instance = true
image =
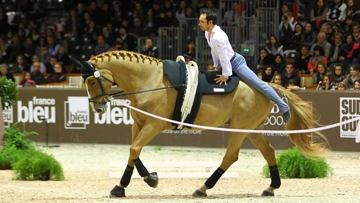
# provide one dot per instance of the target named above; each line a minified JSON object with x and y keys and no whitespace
{"x":36,"y":74}
{"x":356,"y":31}
{"x":118,"y":14}
{"x":16,"y":48}
{"x":101,"y":45}
{"x":325,"y":28}
{"x":309,"y":36}
{"x":180,"y":13}
{"x":336,"y":12}
{"x":322,"y":69}
{"x":29,"y":48}
{"x":21,"y":65}
{"x":265,"y":58}
{"x":58,"y":75}
{"x":150,"y":49}
{"x":91,"y":33}
{"x":325,"y":83}
{"x":190,"y":52}
{"x":317,"y":58}
{"x":274,"y":46}
{"x":231,"y":17}
{"x":61,"y":40}
{"x":4,"y":50}
{"x":150,"y":23}
{"x":347,"y":28}
{"x":279,"y":64}
{"x":45,"y":55}
{"x":352,"y":76}
{"x":276,"y":79}
{"x":357,"y":85}
{"x":63,"y":57}
{"x":128,"y":40}
{"x":335,"y":49}
{"x":27,"y":81}
{"x":287,"y":29}
{"x":137,"y":29}
{"x":95,"y":12}
{"x":321,"y":41}
{"x":267,"y":74}
{"x":42,"y":67}
{"x":301,"y":62}
{"x":106,"y":14}
{"x":290,"y":74}
{"x":349,"y":52}
{"x":42,"y":42}
{"x":296,"y":38}
{"x":53,"y":45}
{"x":341,"y":86}
{"x":318,"y":14}
{"x":73,"y":25}
{"x":170,"y":20}
{"x":338,"y":75}
{"x":4,"y":72}
{"x":292,"y":86}
{"x":50,"y":65}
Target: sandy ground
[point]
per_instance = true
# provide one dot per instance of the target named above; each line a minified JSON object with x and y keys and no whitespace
{"x":86,"y":169}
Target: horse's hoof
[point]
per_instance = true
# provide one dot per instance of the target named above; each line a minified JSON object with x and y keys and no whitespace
{"x":198,"y":193}
{"x":117,"y":192}
{"x":152,"y":180}
{"x":267,"y":193}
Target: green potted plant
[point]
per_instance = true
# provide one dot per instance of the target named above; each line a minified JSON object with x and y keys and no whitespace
{"x":8,"y":97}
{"x":37,"y":165}
{"x":292,"y":164}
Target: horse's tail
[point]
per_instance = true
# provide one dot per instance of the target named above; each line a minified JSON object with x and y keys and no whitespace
{"x":303,"y":117}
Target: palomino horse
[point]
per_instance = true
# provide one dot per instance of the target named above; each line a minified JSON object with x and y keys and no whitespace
{"x":243,"y":108}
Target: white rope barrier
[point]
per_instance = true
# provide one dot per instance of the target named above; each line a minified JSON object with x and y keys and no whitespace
{"x":253,"y":131}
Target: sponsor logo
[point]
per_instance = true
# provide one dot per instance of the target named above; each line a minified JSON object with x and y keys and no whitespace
{"x":115,"y":113}
{"x":76,"y":113}
{"x":275,"y":118}
{"x":37,"y":110}
{"x":349,"y":109}
{"x":8,"y":116}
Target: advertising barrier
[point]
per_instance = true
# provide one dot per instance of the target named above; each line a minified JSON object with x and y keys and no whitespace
{"x":64,"y":116}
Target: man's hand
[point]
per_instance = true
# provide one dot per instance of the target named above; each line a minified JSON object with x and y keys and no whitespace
{"x":221,"y":79}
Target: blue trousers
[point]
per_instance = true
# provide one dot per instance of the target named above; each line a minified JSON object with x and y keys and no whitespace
{"x":240,"y":67}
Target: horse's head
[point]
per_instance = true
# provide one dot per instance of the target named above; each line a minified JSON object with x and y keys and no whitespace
{"x":98,"y":84}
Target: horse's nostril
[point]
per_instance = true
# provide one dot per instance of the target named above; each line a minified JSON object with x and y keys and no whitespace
{"x":99,"y":110}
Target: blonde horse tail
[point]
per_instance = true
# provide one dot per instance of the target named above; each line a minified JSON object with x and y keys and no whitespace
{"x":303,"y":117}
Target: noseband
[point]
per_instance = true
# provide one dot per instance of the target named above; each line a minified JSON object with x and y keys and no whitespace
{"x":97,"y":75}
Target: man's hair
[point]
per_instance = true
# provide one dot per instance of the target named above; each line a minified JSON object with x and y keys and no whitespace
{"x":210,"y":15}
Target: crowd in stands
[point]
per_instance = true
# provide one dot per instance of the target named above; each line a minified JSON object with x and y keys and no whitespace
{"x":325,"y":47}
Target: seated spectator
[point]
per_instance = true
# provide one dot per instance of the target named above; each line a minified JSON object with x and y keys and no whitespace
{"x":36,"y":58}
{"x":36,"y":74}
{"x":279,"y":64}
{"x":101,"y":45}
{"x":296,"y":38}
{"x":301,"y":62}
{"x":4,"y":72}
{"x":338,"y":75}
{"x":63,"y":57}
{"x":138,"y":29}
{"x":290,"y":74}
{"x":287,"y":29}
{"x":58,"y":75}
{"x":190,"y":52}
{"x":29,"y":47}
{"x":349,"y":52}
{"x":318,"y":57}
{"x":341,"y":86}
{"x":335,"y":49}
{"x":267,"y":73}
{"x":352,"y":76}
{"x":309,"y":36}
{"x":27,"y":81}
{"x":274,"y":46}
{"x":318,"y":14}
{"x":321,"y":41}
{"x":347,"y":28}
{"x":322,"y":69}
{"x":21,"y":65}
{"x":108,"y":36}
{"x":50,"y":66}
{"x":264,"y":59}
{"x":276,"y":79}
{"x":150,"y":49}
{"x":45,"y":54}
{"x":325,"y":83}
{"x":336,"y":12}
{"x":292,"y":86}
{"x":53,"y":45}
{"x":128,"y":41}
{"x":357,"y":85}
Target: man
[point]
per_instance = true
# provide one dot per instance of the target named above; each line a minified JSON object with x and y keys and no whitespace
{"x":321,"y":41}
{"x":150,"y":49}
{"x":101,"y":45}
{"x":226,"y":59}
{"x":336,"y":12}
{"x":290,"y":75}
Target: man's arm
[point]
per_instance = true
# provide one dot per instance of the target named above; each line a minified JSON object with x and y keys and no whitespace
{"x":223,"y":57}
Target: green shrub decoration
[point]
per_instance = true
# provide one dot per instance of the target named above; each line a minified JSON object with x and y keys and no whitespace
{"x":8,"y":92}
{"x":14,"y":137}
{"x":292,"y":164}
{"x":9,"y":156}
{"x":37,"y":165}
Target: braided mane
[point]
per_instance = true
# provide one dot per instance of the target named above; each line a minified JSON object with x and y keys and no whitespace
{"x":123,"y":55}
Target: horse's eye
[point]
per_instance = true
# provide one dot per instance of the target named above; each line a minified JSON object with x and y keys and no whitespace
{"x":93,"y":83}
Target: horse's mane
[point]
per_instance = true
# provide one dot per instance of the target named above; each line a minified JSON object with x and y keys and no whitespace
{"x":124,"y":55}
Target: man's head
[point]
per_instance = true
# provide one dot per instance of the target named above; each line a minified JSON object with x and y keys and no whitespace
{"x":149,"y":42}
{"x":207,"y":20}
{"x":289,"y":68}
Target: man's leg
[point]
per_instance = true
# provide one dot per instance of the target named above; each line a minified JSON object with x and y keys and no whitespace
{"x":248,"y":76}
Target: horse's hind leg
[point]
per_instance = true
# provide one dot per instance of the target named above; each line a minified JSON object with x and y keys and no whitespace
{"x":232,"y":154}
{"x":268,"y":152}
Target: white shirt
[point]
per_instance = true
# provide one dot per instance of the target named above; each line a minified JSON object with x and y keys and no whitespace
{"x":221,"y":50}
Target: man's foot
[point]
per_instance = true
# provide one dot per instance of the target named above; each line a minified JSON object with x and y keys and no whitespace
{"x":286,"y":116}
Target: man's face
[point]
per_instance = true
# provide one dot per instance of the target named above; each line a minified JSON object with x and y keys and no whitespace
{"x":203,"y":23}
{"x":148,"y":43}
{"x":289,"y":68}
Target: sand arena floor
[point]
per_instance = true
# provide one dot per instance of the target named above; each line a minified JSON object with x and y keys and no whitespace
{"x":86,"y":169}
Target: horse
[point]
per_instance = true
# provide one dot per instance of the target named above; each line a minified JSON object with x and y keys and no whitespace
{"x":242,"y":108}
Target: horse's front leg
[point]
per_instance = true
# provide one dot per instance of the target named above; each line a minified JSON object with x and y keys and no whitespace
{"x":231,"y":156}
{"x":140,"y":137}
